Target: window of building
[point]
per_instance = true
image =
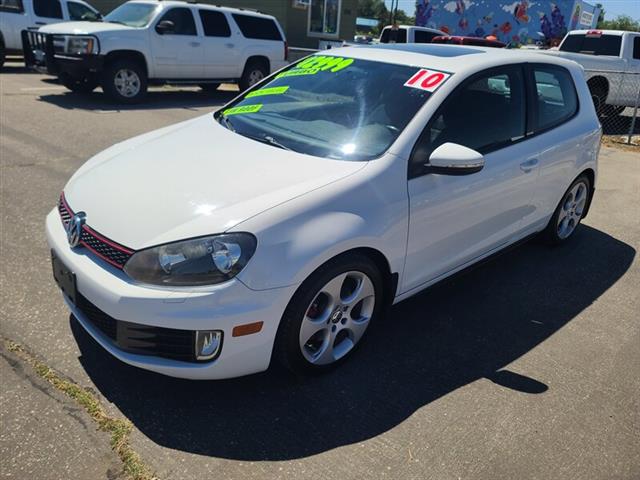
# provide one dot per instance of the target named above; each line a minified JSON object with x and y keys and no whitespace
{"x":324,"y":17}
{"x":556,"y":96}
{"x":11,"y":6}
{"x":257,"y":27}
{"x":47,"y":8}
{"x":78,"y":11}
{"x":183,"y":20}
{"x":215,"y":24}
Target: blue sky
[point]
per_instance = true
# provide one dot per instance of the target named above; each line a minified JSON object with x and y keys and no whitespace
{"x":612,"y":8}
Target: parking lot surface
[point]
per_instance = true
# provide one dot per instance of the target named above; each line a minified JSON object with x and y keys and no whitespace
{"x":526,"y":367}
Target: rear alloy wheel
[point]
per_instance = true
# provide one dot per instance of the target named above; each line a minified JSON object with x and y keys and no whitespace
{"x":253,"y":73}
{"x":125,"y":81}
{"x":329,"y":314}
{"x":569,"y":212}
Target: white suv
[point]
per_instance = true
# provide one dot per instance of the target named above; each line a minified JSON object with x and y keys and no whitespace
{"x":149,"y":41}
{"x":19,"y":15}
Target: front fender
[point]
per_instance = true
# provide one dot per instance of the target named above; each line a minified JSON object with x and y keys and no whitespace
{"x":367,"y":209}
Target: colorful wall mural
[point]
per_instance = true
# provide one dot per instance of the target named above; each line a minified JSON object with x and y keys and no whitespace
{"x":516,"y":22}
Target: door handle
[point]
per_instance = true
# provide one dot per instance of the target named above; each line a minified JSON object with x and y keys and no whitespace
{"x":529,"y":165}
{"x":194,"y":44}
{"x":40,"y":23}
{"x":229,"y":45}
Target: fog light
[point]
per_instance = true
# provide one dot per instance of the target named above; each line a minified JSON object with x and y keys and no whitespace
{"x":208,"y":344}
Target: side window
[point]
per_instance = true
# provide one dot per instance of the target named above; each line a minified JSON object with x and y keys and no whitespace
{"x":421,"y":36}
{"x":257,"y":27}
{"x":486,"y":113}
{"x":556,"y":98}
{"x":182,"y":19}
{"x":214,"y":23}
{"x":78,"y":11}
{"x":47,"y":8}
{"x":11,"y":6}
{"x":636,"y":47}
{"x":389,"y":35}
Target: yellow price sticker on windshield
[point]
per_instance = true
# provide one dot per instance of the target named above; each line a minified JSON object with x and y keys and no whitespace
{"x":242,"y":109}
{"x":323,"y":63}
{"x":298,"y":71}
{"x":267,"y":91}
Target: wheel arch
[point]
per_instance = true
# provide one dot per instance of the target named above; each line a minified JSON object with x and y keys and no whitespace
{"x":263,"y":59}
{"x":591,"y":175}
{"x":599,"y":82}
{"x":135,"y":55}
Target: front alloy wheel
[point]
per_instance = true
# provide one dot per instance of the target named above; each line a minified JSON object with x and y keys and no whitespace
{"x":329,"y":315}
{"x":337,"y":318}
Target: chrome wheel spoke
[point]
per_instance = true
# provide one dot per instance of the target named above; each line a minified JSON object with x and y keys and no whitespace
{"x":337,"y":318}
{"x":572,"y":210}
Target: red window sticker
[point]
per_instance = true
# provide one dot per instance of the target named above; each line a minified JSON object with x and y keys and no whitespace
{"x":428,"y":80}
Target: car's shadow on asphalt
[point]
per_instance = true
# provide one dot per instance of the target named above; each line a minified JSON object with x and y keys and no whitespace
{"x":156,"y":99}
{"x":456,"y":333}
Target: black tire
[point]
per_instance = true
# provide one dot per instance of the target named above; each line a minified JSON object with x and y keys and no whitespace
{"x":599,"y":97}
{"x":209,"y":87}
{"x":80,"y":85}
{"x":108,"y":81}
{"x":610,"y":111}
{"x":254,"y":70}
{"x":287,"y":349}
{"x":3,"y":53}
{"x":552,"y":233}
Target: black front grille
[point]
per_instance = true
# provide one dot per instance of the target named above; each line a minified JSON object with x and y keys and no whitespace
{"x":141,"y":339}
{"x":110,"y":251}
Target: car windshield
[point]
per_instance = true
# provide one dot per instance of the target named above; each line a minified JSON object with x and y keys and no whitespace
{"x":332,"y":107}
{"x":135,"y":15}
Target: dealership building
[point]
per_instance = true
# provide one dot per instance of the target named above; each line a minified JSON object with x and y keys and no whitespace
{"x":307,"y":23}
{"x":518,"y":22}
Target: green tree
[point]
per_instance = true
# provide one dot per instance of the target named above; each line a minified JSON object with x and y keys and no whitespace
{"x":621,"y":22}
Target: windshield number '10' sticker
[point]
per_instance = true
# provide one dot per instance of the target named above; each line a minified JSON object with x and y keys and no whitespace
{"x":428,"y":80}
{"x":267,"y":91}
{"x":318,"y":63}
{"x":242,"y":109}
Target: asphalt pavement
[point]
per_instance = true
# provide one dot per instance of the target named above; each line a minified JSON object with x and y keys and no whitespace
{"x":526,"y":367}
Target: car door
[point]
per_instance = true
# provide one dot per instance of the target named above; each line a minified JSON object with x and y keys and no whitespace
{"x":456,"y":219}
{"x":629,"y":90}
{"x":221,"y":54}
{"x":178,"y":53}
{"x":13,"y":19}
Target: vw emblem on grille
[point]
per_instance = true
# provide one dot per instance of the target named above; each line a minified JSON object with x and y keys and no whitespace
{"x":74,"y":229}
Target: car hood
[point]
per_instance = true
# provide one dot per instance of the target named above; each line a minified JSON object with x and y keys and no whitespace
{"x":83,"y":28}
{"x":195,"y":178}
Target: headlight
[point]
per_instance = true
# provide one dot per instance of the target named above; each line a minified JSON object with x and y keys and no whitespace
{"x":201,"y":261}
{"x":81,"y":45}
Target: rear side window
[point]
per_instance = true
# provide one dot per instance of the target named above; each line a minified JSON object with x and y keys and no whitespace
{"x":636,"y":48}
{"x":11,"y":6}
{"x":257,"y":27}
{"x":393,"y":36}
{"x":47,"y":8}
{"x":556,"y":98}
{"x":215,"y":24}
{"x":486,"y":113}
{"x":182,"y":18}
{"x":421,"y":36}
{"x":593,"y":45}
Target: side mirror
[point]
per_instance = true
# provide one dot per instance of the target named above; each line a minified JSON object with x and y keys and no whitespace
{"x":165,"y":27}
{"x":454,"y":159}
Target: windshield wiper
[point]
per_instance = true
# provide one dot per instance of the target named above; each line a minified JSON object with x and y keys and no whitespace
{"x":225,"y":121}
{"x":272,"y":141}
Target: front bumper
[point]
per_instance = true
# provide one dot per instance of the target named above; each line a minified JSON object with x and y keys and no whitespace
{"x":218,"y":307}
{"x":40,"y":55}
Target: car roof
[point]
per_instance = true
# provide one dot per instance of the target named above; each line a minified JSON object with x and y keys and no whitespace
{"x":183,"y":3}
{"x":415,"y":27}
{"x":604,"y":32}
{"x":449,"y":58}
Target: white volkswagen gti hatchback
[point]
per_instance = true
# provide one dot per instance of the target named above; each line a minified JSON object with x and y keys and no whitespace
{"x":282,"y":225}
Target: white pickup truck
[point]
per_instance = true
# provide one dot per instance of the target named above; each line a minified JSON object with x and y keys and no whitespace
{"x":146,"y":42}
{"x":611,"y":60}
